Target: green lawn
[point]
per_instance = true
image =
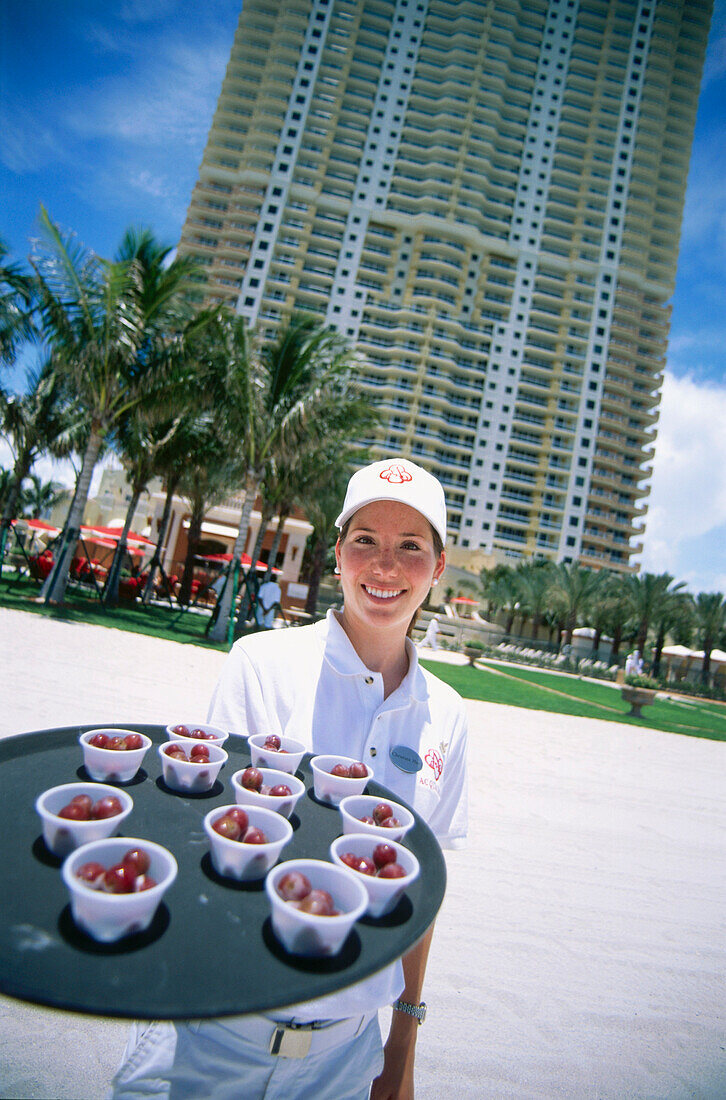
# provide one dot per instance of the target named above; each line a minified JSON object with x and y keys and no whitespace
{"x":513,"y":685}
{"x":539,"y":690}
{"x":159,"y":620}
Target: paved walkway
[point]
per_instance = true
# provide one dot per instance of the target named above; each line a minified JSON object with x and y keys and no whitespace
{"x":581,"y":949}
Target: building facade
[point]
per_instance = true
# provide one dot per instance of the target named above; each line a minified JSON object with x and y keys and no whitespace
{"x":486,"y":196}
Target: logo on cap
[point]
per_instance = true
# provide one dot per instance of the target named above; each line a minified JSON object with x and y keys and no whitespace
{"x":395,"y":474}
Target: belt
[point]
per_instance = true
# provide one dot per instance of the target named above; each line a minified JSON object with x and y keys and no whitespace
{"x":293,"y":1039}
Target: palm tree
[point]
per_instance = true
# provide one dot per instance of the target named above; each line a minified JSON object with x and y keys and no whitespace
{"x":147,"y":427}
{"x":500,"y":588}
{"x":675,"y":614}
{"x":178,"y":453}
{"x":533,"y":581}
{"x":646,"y":594}
{"x":322,"y":507}
{"x":573,"y":589}
{"x":609,"y":611}
{"x":32,"y":423}
{"x":289,"y":387}
{"x":16,"y":302}
{"x":40,"y":496}
{"x":94,"y":315}
{"x":710,"y":615}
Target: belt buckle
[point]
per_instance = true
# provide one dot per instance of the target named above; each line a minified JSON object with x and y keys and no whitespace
{"x":287,"y":1042}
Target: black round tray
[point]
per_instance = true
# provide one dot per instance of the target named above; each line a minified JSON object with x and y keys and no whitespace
{"x":210,"y":950}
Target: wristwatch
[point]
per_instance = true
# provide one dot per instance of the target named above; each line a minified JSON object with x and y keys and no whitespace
{"x":418,"y":1011}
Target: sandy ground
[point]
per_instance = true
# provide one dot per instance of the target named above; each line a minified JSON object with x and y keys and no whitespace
{"x":581,"y":949}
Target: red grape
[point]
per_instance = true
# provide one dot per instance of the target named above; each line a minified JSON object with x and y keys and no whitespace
{"x":254,"y":836}
{"x":226,"y":826}
{"x":83,"y":800}
{"x":318,"y":902}
{"x":251,"y":779}
{"x":181,"y":731}
{"x":175,"y":751}
{"x":199,"y":754}
{"x":358,"y":770}
{"x":116,"y":744}
{"x":272,"y":742}
{"x":383,"y":854}
{"x":202,"y":735}
{"x":367,"y":820}
{"x":119,"y":879}
{"x":145,"y":883}
{"x":350,"y":860}
{"x":366,"y":866}
{"x":240,"y":816}
{"x":341,"y":770}
{"x":138,"y":860}
{"x":293,"y":886}
{"x":99,"y":740}
{"x":106,"y":807}
{"x":74,"y":811}
{"x":133,"y":741}
{"x":391,"y":823}
{"x":91,"y":873}
{"x":392,"y":870}
{"x":280,"y":791}
{"x":381,"y":812}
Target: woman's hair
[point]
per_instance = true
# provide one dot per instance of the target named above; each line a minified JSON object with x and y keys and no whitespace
{"x":438,"y":550}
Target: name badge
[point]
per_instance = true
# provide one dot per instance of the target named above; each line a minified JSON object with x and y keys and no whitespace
{"x":406,"y":759}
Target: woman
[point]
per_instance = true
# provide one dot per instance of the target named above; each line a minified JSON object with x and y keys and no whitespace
{"x":350,"y":684}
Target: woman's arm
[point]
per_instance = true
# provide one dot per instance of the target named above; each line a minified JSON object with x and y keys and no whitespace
{"x":396,"y":1079}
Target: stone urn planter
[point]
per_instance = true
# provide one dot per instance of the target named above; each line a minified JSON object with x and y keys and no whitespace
{"x":473,"y":652}
{"x":638,"y":698}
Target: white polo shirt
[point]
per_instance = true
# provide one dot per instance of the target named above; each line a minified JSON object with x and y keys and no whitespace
{"x":309,"y":683}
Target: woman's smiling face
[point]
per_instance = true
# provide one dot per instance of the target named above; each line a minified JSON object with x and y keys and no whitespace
{"x":387,"y":563}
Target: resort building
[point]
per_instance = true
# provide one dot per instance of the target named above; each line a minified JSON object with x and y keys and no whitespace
{"x":486,"y":197}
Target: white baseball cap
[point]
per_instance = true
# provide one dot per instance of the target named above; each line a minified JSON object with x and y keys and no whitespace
{"x":401,"y":480}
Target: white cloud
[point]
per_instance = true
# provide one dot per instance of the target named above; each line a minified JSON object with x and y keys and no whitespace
{"x":687,"y":504}
{"x":166,"y":100}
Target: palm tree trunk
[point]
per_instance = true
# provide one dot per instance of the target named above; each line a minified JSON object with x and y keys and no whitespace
{"x":54,"y":589}
{"x":156,"y":558}
{"x":617,"y":639}
{"x":220,"y":628}
{"x":114,"y":573}
{"x":20,"y":472}
{"x":193,"y":537}
{"x":246,"y":598}
{"x":277,"y":539}
{"x":658,"y":653}
{"x":317,"y":568}
{"x":706,"y":666}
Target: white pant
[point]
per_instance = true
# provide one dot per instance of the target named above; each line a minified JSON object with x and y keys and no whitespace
{"x":230,"y":1060}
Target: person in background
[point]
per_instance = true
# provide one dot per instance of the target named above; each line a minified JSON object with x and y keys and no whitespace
{"x":633,"y":663}
{"x":348,"y":684}
{"x":429,"y":638}
{"x":269,"y":595}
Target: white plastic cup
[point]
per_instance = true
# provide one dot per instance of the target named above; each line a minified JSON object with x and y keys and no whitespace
{"x":109,"y":917}
{"x":63,"y":835}
{"x":305,"y":933}
{"x":384,"y":894}
{"x":246,"y":862}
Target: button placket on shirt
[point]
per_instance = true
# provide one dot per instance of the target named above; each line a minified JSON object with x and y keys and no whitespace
{"x":372,"y":745}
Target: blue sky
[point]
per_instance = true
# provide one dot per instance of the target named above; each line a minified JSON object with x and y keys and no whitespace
{"x":104,"y":111}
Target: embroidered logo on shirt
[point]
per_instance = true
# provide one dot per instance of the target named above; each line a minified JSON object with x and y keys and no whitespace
{"x":395,"y":474}
{"x":435,"y":762}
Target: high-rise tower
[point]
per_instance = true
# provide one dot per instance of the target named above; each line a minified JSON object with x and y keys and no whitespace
{"x":486,"y":195}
